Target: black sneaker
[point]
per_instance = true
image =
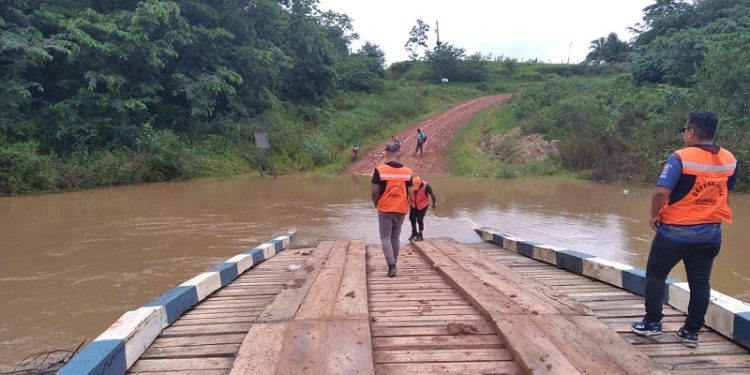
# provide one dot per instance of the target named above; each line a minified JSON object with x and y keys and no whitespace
{"x":419,"y":237}
{"x":645,"y":328}
{"x":413,"y":236}
{"x":392,"y":271}
{"x":689,"y":339}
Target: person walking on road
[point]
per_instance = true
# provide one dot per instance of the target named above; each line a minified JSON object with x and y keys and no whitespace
{"x":421,"y":139}
{"x":419,"y":205}
{"x":390,"y":190}
{"x":688,"y":205}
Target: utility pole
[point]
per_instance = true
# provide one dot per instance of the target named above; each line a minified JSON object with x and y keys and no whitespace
{"x":569,"y":48}
{"x":437,"y":31}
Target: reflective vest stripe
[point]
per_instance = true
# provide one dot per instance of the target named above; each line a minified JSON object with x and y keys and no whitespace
{"x":709,"y":167}
{"x":394,"y":176}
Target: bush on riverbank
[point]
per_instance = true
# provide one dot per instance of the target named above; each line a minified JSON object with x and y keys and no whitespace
{"x":302,"y":137}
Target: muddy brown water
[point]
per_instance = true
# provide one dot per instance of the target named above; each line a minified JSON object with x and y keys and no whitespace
{"x":71,"y":264}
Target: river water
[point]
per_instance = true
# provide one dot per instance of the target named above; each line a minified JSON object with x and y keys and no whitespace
{"x":71,"y":264}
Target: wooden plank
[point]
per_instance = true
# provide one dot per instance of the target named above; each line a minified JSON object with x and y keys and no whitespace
{"x":222,"y":350}
{"x":445,"y":355}
{"x":533,"y":296}
{"x":326,"y":347}
{"x":182,"y":364}
{"x":482,"y":296}
{"x":351,"y":301}
{"x":441,"y":341}
{"x":286,"y":303}
{"x":705,"y":348}
{"x":206,"y":329}
{"x":481,"y":326}
{"x":533,"y":351}
{"x":216,"y":339}
{"x":592,"y":347}
{"x":261,"y":350}
{"x":321,"y":296}
{"x":349,"y":348}
{"x":497,"y":367}
{"x":545,"y":337}
{"x":696,"y":362}
{"x":303,"y":350}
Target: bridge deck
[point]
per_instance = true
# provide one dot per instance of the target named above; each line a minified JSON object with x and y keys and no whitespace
{"x":338,"y":313}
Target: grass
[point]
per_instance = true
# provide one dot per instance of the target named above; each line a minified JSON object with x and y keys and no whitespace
{"x":469,"y":155}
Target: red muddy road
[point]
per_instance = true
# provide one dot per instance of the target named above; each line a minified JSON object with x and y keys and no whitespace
{"x":439,"y":129}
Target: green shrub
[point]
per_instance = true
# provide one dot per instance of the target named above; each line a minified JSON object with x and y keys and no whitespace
{"x":23,"y":171}
{"x":162,"y":156}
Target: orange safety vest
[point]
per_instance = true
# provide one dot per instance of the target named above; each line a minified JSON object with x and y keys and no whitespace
{"x":394,"y":197}
{"x":419,"y":197}
{"x":707,"y":202}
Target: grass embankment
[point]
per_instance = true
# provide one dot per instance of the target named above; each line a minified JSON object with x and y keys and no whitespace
{"x":473,"y":152}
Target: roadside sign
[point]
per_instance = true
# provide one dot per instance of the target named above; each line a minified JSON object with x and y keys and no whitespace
{"x":261,"y":140}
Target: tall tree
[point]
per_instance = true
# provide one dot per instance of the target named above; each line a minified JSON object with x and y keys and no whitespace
{"x":610,"y":50}
{"x":418,"y":37}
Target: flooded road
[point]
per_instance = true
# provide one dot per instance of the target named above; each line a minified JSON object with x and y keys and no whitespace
{"x":71,"y":264}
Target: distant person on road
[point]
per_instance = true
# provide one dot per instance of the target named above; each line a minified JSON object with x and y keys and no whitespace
{"x":421,"y":139}
{"x":688,"y":205}
{"x":395,"y":145}
{"x":355,"y":152}
{"x":419,"y":205}
{"x":391,"y":188}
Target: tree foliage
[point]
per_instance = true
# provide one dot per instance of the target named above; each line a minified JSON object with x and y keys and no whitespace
{"x":418,"y":37}
{"x":610,"y":50}
{"x":97,"y":74}
{"x":676,"y":36}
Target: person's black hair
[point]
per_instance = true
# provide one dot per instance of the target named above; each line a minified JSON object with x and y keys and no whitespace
{"x":704,"y":123}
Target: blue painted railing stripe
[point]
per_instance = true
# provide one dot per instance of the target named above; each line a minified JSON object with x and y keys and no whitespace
{"x":741,"y":332}
{"x":100,"y":357}
{"x":227,"y":271}
{"x":525,"y":249}
{"x":278,"y":245}
{"x":177,"y":301}
{"x":571,"y":260}
{"x":257,"y":254}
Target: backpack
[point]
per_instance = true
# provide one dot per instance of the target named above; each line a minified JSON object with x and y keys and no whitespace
{"x":422,"y":137}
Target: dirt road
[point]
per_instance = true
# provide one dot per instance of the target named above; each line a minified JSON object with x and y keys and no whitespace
{"x":439,"y":129}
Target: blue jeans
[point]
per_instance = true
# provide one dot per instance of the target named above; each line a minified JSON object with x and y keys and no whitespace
{"x":698,"y":259}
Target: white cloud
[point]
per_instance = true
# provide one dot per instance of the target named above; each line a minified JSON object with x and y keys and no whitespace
{"x":523,"y":29}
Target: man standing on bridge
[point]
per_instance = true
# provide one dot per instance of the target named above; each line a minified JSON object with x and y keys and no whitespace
{"x":688,"y":205}
{"x":391,"y":188}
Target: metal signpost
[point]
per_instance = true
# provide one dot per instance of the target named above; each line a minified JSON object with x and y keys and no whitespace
{"x":261,"y":142}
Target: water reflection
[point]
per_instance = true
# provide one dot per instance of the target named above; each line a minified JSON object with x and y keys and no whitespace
{"x":73,"y":263}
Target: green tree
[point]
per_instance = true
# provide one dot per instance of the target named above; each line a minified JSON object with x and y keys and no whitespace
{"x":610,"y":50}
{"x":418,"y":37}
{"x":445,"y":60}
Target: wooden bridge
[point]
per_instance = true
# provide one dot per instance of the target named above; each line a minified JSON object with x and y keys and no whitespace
{"x":454,"y":308}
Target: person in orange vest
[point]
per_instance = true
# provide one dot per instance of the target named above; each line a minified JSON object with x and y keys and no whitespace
{"x":391,"y":188}
{"x":688,"y":205}
{"x":419,"y":204}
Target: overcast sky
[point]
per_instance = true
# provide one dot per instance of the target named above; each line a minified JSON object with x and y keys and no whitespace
{"x":523,"y":29}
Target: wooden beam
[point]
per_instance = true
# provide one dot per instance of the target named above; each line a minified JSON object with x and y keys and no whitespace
{"x":545,"y":336}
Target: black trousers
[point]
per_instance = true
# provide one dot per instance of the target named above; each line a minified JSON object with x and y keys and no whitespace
{"x":417,"y":217}
{"x":698,"y":259}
